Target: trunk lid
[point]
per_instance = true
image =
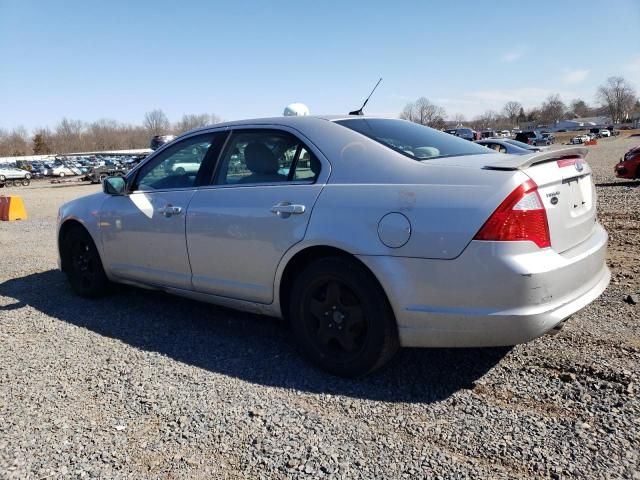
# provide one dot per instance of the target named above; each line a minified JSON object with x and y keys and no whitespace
{"x":565,"y":184}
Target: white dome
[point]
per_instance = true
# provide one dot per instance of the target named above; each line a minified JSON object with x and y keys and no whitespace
{"x":296,"y":109}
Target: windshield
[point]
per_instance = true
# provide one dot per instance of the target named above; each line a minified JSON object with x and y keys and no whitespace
{"x":413,"y":140}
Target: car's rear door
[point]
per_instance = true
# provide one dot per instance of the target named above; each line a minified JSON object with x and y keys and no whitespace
{"x":258,"y":206}
{"x":143,"y":232}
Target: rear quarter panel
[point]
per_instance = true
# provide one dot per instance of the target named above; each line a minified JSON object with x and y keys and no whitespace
{"x":445,"y":206}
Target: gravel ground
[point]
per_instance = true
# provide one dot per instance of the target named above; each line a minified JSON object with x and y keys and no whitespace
{"x":144,"y":385}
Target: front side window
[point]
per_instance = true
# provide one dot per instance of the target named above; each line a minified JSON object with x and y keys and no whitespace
{"x":413,"y":140}
{"x":176,"y":167}
{"x":266,"y":156}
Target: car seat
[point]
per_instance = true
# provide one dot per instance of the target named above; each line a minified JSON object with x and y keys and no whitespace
{"x":262,"y":163}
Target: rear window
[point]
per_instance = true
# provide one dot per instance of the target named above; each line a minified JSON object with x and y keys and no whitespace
{"x":413,"y":140}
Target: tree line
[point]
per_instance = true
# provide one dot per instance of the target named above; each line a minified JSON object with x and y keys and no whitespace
{"x":616,"y":99}
{"x":76,"y":136}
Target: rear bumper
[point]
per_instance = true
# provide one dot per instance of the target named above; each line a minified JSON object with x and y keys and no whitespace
{"x":493,"y":294}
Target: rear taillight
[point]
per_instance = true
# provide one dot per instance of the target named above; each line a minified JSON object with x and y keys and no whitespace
{"x":521,"y":216}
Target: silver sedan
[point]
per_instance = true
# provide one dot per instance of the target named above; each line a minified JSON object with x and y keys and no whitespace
{"x":366,"y":234}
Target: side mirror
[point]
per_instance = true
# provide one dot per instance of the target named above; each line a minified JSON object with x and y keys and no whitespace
{"x":114,"y":186}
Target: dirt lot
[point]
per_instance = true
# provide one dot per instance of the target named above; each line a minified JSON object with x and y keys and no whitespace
{"x":143,"y":385}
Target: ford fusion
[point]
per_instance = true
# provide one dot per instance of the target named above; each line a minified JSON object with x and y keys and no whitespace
{"x":366,"y":234}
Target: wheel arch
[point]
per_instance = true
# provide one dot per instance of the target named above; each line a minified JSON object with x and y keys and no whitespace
{"x":304,"y":256}
{"x":65,"y":228}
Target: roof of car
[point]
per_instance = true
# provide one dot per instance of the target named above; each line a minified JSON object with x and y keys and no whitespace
{"x":282,"y":120}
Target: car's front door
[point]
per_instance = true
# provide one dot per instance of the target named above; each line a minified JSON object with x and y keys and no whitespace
{"x":258,"y":206}
{"x":143,"y":232}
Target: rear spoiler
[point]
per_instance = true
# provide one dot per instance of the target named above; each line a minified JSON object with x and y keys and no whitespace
{"x":522,"y":162}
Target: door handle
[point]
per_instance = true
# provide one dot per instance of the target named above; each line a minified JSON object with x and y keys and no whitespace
{"x":286,"y":209}
{"x":169,"y":210}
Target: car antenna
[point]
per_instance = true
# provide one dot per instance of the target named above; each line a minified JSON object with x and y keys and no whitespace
{"x":360,"y":112}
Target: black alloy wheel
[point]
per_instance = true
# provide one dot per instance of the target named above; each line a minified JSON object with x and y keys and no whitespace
{"x":335,"y":316}
{"x":341,"y":318}
{"x":81,"y":262}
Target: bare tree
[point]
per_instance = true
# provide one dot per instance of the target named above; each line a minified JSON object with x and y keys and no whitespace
{"x":68,"y":136}
{"x":459,"y":119}
{"x":618,"y":96}
{"x":424,"y":112}
{"x":553,"y":109}
{"x":511,"y":110}
{"x":14,"y":143}
{"x":156,"y":122}
{"x":488,"y":119}
{"x":105,"y":134}
{"x":189,"y":122}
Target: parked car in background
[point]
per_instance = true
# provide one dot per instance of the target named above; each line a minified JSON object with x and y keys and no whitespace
{"x":489,"y":134}
{"x":503,"y":146}
{"x":605,"y":133}
{"x":159,"y":140}
{"x":12,"y":173}
{"x":101,"y":173}
{"x":533,"y":137}
{"x":579,"y":139}
{"x":382,"y":233}
{"x":61,"y":171}
{"x":505,"y":133}
{"x":526,"y":146}
{"x":629,"y":165}
{"x":549,"y":137}
{"x":466,"y":133}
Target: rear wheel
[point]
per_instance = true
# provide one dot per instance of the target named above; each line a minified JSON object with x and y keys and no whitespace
{"x":81,"y":262}
{"x":341,"y":318}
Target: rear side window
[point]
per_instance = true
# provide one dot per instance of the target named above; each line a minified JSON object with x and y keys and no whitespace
{"x":413,"y":140}
{"x":266,"y":157}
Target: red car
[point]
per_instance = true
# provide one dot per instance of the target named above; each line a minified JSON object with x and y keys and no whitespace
{"x":629,"y":166}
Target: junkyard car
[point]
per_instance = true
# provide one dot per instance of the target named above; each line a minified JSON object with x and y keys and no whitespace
{"x":11,"y":173}
{"x":365,"y":233}
{"x":629,"y":165}
{"x":502,"y":146}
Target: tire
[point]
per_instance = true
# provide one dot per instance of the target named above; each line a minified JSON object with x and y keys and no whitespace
{"x":2,"y":178}
{"x":28,"y":176}
{"x":81,"y":262}
{"x":341,"y":318}
{"x":9,"y":183}
{"x":25,"y":182}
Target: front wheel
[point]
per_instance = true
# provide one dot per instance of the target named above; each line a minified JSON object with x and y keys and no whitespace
{"x":26,"y":182}
{"x":61,"y":174}
{"x":81,"y":262}
{"x":341,"y":318}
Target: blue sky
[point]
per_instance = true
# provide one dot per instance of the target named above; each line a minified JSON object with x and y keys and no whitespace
{"x":119,"y":59}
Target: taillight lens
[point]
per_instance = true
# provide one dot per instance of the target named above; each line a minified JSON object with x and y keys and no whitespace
{"x":521,"y":216}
